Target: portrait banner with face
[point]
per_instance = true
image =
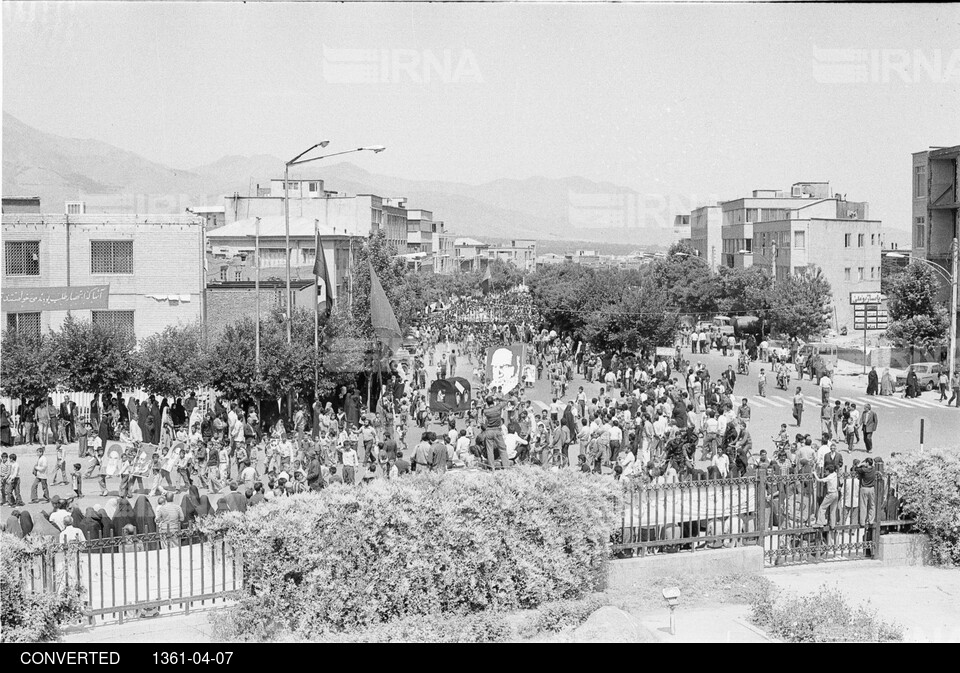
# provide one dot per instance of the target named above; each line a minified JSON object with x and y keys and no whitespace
{"x":112,"y":458}
{"x":505,"y":366}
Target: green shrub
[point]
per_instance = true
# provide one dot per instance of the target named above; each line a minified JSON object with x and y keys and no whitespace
{"x":478,"y":627}
{"x":559,"y":615}
{"x":27,"y":617}
{"x":351,"y":557}
{"x":822,"y":617}
{"x":929,"y":488}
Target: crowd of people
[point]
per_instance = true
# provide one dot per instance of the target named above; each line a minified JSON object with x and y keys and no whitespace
{"x":657,"y":419}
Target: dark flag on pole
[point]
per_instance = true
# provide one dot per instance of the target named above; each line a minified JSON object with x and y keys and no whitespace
{"x":382,"y":317}
{"x":324,"y":291}
{"x":485,"y":281}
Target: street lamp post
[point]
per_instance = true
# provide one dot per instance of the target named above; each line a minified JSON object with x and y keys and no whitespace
{"x":951,"y":280}
{"x":297,"y":160}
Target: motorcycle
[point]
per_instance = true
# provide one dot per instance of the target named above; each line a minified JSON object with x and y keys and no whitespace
{"x":783,"y":380}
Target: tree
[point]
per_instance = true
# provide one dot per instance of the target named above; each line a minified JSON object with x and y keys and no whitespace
{"x":741,"y":291}
{"x":284,"y":367}
{"x":636,"y":321}
{"x":800,"y":305}
{"x":93,"y":358}
{"x":682,"y":280}
{"x":404,"y":294}
{"x":28,"y":369}
{"x":173,"y":361}
{"x":917,"y":319}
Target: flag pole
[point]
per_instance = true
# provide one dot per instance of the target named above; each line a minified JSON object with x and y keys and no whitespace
{"x":316,"y":314}
{"x":256,"y":254}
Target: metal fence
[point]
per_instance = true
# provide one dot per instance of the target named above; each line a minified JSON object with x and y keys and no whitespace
{"x":777,"y":512}
{"x":139,"y":575}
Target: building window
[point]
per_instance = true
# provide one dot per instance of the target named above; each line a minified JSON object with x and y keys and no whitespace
{"x":314,"y":186}
{"x":919,"y":234}
{"x":873,"y":273}
{"x":118,"y":322}
{"x":846,"y":273}
{"x":114,"y":257}
{"x":860,"y":273}
{"x":861,"y":239}
{"x":751,"y":214}
{"x":846,"y":240}
{"x":799,"y":240}
{"x":919,"y":182}
{"x":26,"y":324}
{"x":237,"y":274}
{"x":22,"y":258}
{"x":223,"y":273}
{"x":873,"y":239}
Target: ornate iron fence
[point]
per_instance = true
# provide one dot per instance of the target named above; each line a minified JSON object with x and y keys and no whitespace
{"x":778,"y":512}
{"x":139,"y":575}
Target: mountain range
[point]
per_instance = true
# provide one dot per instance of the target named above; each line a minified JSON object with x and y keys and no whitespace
{"x":110,"y":179}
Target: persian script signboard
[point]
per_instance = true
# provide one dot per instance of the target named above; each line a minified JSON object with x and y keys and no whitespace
{"x":25,"y":299}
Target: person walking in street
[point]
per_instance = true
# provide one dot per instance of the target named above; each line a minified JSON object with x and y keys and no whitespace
{"x":944,"y":383}
{"x":873,"y":382}
{"x":40,"y":475}
{"x":868,"y":422}
{"x":826,"y":385}
{"x":12,"y":494}
{"x":826,"y":419}
{"x":798,"y":406}
{"x":955,"y":389}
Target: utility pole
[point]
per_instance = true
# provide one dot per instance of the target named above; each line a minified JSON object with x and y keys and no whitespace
{"x":286,"y":226}
{"x":256,"y":257}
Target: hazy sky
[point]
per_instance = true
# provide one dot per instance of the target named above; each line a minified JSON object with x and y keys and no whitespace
{"x":689,"y":102}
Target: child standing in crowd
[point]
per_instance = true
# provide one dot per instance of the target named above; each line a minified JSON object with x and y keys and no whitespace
{"x":76,"y":481}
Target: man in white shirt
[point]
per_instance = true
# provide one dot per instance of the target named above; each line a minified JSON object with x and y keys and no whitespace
{"x":826,"y":385}
{"x":40,"y":477}
{"x":59,"y":516}
{"x":70,"y":533}
{"x":513,"y":440}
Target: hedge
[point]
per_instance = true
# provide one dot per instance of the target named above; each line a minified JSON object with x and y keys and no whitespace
{"x":822,"y":617}
{"x":351,"y":557}
{"x":929,"y":488}
{"x":27,"y":617}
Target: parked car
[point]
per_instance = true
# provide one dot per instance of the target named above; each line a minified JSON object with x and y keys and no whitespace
{"x":779,"y":348}
{"x":928,"y":374}
{"x":723,"y":324}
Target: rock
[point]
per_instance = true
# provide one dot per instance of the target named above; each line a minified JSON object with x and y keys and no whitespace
{"x":611,"y":625}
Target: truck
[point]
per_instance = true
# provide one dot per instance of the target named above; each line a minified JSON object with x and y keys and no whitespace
{"x":747,"y":325}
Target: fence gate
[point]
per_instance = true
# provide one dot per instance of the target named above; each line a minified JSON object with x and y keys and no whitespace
{"x":776,"y":511}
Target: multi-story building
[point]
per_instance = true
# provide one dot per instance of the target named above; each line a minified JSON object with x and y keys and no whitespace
{"x":832,"y":234}
{"x":765,"y":205}
{"x":136,"y":274}
{"x":358,"y":215}
{"x":420,"y":231}
{"x":395,"y":223}
{"x":522,"y":253}
{"x":681,"y":228}
{"x":936,"y":204}
{"x":706,"y":237}
{"x":238,"y":240}
{"x":470,"y":254}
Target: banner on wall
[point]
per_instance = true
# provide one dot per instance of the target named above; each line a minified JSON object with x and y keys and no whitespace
{"x":74,"y":298}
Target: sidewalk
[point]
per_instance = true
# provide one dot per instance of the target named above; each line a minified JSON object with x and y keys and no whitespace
{"x":716,"y":624}
{"x":175,"y":628}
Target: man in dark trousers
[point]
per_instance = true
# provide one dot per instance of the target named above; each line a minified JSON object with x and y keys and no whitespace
{"x":729,"y":378}
{"x":868,"y":422}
